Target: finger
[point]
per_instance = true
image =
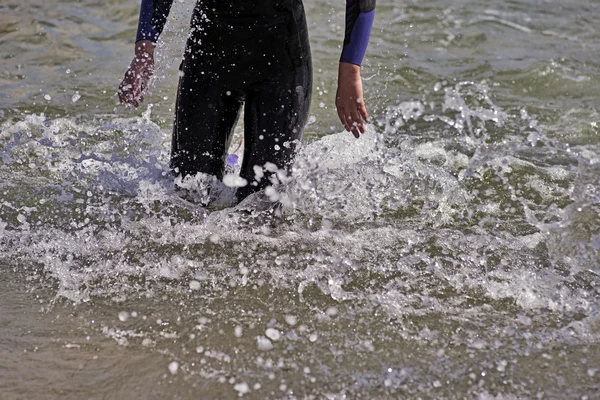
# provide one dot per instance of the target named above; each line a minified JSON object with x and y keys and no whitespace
{"x":138,"y":90}
{"x":355,"y":131}
{"x":143,"y":86}
{"x":356,"y":117}
{"x":124,"y":97}
{"x":363,"y":112}
{"x":128,"y":99}
{"x":125,"y":90}
{"x":347,"y":125}
{"x":342,"y":117}
{"x":350,"y":122}
{"x":357,"y":128}
{"x":357,"y":120}
{"x":361,"y":127}
{"x":353,"y":126}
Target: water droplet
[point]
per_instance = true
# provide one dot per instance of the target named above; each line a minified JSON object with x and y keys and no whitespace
{"x":241,"y":388}
{"x":173,"y":367}
{"x":238,"y":331}
{"x":501,"y":367}
{"x":263,"y":343}
{"x":273,"y":334}
{"x":194,"y":285}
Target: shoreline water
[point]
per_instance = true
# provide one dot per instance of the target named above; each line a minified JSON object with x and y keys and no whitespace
{"x":449,"y":253}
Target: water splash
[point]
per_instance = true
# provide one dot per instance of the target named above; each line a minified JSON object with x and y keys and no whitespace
{"x":442,"y":228}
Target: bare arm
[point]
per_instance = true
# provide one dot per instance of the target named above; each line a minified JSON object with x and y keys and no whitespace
{"x":349,"y":97}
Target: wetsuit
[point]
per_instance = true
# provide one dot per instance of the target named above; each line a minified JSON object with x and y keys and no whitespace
{"x":251,"y":52}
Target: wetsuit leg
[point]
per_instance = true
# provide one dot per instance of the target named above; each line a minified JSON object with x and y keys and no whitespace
{"x":274,"y":117}
{"x":205,"y":117}
{"x":276,"y":109}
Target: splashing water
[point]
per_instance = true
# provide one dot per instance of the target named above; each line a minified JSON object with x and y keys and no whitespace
{"x":450,"y":252}
{"x":422,"y":231}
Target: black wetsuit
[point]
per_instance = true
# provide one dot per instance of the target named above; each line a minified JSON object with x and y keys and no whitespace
{"x":251,"y":52}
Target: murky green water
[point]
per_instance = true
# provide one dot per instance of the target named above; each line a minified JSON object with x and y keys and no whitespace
{"x":452,"y":252}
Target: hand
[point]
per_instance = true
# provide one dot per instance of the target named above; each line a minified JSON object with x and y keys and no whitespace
{"x":137,"y":76}
{"x":349,"y":99}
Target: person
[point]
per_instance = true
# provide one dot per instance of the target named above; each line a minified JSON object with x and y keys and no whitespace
{"x":253,"y":53}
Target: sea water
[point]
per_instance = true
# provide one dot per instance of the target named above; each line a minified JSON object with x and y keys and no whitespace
{"x":450,"y":252}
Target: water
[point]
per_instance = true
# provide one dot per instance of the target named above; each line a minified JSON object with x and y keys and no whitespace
{"x":452,"y":252}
